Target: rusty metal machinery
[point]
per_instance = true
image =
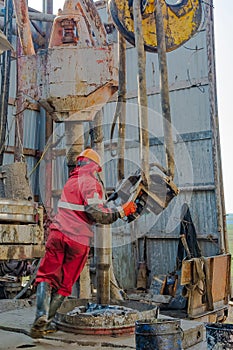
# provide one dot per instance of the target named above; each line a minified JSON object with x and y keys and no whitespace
{"x":181,"y":21}
{"x":63,"y":82}
{"x":21,"y":230}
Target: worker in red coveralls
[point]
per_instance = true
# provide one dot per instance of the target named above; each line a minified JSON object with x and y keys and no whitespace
{"x":82,"y":204}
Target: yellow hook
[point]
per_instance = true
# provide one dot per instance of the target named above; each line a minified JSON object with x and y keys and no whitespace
{"x":181,"y":21}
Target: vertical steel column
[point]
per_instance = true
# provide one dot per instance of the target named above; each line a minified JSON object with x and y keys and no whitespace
{"x":216,"y":146}
{"x":48,"y":165}
{"x":5,"y":77}
{"x":168,"y":141}
{"x":48,"y":9}
{"x":142,"y":93}
{"x":122,"y":102}
{"x":19,"y":118}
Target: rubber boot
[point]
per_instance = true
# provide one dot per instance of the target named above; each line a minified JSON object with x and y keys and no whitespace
{"x":43,"y":297}
{"x":56,"y":301}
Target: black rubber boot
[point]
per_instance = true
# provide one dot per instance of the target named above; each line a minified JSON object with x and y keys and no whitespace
{"x":56,"y":301}
{"x":43,"y":297}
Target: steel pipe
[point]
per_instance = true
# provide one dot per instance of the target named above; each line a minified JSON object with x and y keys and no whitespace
{"x":165,"y":103}
{"x":142,"y":92}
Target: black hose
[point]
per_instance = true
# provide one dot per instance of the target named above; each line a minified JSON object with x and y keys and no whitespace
{"x":29,"y":283}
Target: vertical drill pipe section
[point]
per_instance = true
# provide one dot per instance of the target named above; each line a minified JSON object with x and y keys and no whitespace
{"x":74,"y":142}
{"x":103,"y":265}
{"x":23,"y":23}
{"x":103,"y":237}
{"x":165,"y":103}
{"x":142,"y":95}
{"x":122,"y":102}
{"x":5,"y":77}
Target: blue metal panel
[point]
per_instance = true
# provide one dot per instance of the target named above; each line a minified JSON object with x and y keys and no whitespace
{"x":190,"y":100}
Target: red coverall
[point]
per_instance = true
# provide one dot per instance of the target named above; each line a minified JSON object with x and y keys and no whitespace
{"x":67,"y":248}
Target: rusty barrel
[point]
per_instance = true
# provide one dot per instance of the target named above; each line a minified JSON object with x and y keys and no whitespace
{"x":219,"y":336}
{"x":158,"y":335}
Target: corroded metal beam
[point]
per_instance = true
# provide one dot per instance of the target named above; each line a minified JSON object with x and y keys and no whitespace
{"x":23,"y":22}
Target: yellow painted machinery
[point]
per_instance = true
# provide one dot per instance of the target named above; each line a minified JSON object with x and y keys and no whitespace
{"x":181,"y":21}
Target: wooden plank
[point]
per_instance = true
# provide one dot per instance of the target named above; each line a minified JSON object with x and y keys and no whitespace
{"x":219,"y":273}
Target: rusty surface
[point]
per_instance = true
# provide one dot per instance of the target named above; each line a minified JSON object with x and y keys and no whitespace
{"x":63,"y":84}
{"x":93,"y":17}
{"x":85,"y":20}
{"x":21,"y":252}
{"x":21,"y":234}
{"x":77,"y":73}
{"x":16,"y":187}
{"x":22,"y":19}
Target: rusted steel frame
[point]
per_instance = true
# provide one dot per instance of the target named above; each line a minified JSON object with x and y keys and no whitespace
{"x":48,"y":166}
{"x":23,"y":23}
{"x":5,"y":78}
{"x":216,"y":147}
{"x":89,"y":27}
{"x":93,"y":17}
{"x":120,"y":111}
{"x":122,"y":102}
{"x":142,"y":92}
{"x":19,"y":118}
{"x":48,"y":6}
{"x":48,"y":9}
{"x":14,"y":30}
{"x":165,"y":103}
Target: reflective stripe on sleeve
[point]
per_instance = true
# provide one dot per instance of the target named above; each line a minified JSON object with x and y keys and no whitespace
{"x":95,"y":200}
{"x":71,"y":206}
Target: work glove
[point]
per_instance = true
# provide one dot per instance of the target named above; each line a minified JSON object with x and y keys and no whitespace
{"x":128,"y":208}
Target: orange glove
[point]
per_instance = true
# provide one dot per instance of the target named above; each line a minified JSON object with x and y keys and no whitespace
{"x":129,"y":208}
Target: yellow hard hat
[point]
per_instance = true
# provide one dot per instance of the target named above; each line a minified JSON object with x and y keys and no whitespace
{"x":91,"y":154}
